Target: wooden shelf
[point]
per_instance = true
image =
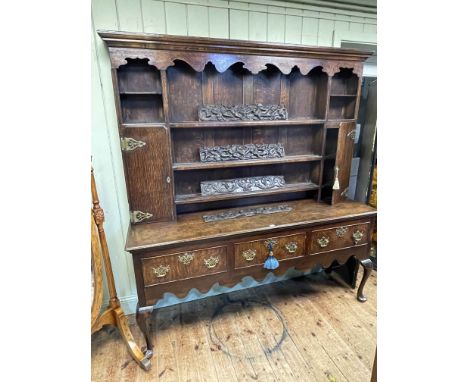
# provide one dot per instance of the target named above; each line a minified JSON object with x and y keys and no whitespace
{"x":241,"y":163}
{"x":342,"y":120}
{"x":195,"y":124}
{"x":141,"y":93}
{"x":146,"y":124}
{"x":198,"y":198}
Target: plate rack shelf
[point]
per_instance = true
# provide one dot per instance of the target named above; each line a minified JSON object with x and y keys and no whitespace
{"x":159,"y":101}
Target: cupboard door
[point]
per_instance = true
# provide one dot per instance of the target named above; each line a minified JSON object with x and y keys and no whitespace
{"x":148,"y":168}
{"x":344,"y":156}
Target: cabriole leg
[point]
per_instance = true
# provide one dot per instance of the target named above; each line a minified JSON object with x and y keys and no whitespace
{"x":368,"y":267}
{"x":142,"y":318}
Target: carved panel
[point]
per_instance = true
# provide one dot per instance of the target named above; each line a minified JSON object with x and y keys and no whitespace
{"x":256,"y":112}
{"x":229,"y":186}
{"x":246,"y":212}
{"x":241,"y":152}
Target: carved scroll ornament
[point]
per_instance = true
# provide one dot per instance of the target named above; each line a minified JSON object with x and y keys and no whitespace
{"x":256,"y":112}
{"x":162,"y":59}
{"x":241,"y":152}
{"x":230,"y":186}
{"x":245,"y":212}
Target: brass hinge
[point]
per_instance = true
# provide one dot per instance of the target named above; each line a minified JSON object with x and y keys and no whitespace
{"x":336,"y":183}
{"x":139,"y":216}
{"x":129,"y":144}
{"x":352,"y":134}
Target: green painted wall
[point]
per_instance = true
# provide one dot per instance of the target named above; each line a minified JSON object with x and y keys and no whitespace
{"x":274,"y":21}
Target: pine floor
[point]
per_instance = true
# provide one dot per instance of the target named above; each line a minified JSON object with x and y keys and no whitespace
{"x":305,"y":329}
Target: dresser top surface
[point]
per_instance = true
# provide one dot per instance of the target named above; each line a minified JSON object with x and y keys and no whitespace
{"x":192,"y":228}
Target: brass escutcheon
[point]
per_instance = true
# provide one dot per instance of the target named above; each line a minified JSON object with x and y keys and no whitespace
{"x":323,"y":241}
{"x":212,"y":261}
{"x":161,"y":271}
{"x":291,"y":247}
{"x":186,"y":258}
{"x":249,"y":254}
{"x":340,"y":231}
{"x":273,"y":242}
{"x":357,"y":236}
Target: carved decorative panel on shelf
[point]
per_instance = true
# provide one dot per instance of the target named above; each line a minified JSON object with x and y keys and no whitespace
{"x":257,"y":112}
{"x":228,"y":186}
{"x":241,"y":152}
{"x":245,"y":212}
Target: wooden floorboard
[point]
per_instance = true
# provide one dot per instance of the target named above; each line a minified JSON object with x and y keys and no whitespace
{"x":306,"y":329}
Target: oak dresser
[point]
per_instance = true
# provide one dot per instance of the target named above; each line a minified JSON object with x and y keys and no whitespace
{"x":237,"y":159}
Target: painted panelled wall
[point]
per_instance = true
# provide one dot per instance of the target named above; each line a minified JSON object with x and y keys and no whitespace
{"x":272,"y":21}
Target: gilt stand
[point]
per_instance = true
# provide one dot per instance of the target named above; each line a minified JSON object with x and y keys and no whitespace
{"x":113,"y":315}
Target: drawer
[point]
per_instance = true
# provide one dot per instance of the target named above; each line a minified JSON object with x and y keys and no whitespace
{"x":255,"y":252}
{"x":183,"y":265}
{"x":338,"y":237}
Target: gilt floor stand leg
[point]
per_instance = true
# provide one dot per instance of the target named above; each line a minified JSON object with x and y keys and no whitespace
{"x":142,"y":317}
{"x":136,"y":353}
{"x":368,"y":267}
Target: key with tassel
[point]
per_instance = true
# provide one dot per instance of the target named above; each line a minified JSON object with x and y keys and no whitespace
{"x":271,"y":261}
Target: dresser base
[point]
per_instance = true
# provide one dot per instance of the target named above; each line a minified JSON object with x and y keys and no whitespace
{"x":176,"y":257}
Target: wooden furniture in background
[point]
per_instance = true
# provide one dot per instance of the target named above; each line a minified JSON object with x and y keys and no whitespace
{"x":198,"y":221}
{"x":113,"y":314}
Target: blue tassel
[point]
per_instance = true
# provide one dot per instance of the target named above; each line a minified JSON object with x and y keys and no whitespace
{"x":271,"y":263}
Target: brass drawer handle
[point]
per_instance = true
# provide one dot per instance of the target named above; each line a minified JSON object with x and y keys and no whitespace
{"x":186,"y":258}
{"x":323,"y":241}
{"x":212,"y":261}
{"x":162,"y":270}
{"x":249,"y":254}
{"x":291,"y":247}
{"x":357,"y":236}
{"x":340,"y":231}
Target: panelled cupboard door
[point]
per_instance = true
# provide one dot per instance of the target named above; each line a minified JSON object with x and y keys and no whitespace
{"x":344,"y":156}
{"x":148,"y":168}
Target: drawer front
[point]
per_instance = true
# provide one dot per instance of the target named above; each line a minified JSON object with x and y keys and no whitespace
{"x":338,"y":237}
{"x":183,"y":265}
{"x":255,"y":252}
